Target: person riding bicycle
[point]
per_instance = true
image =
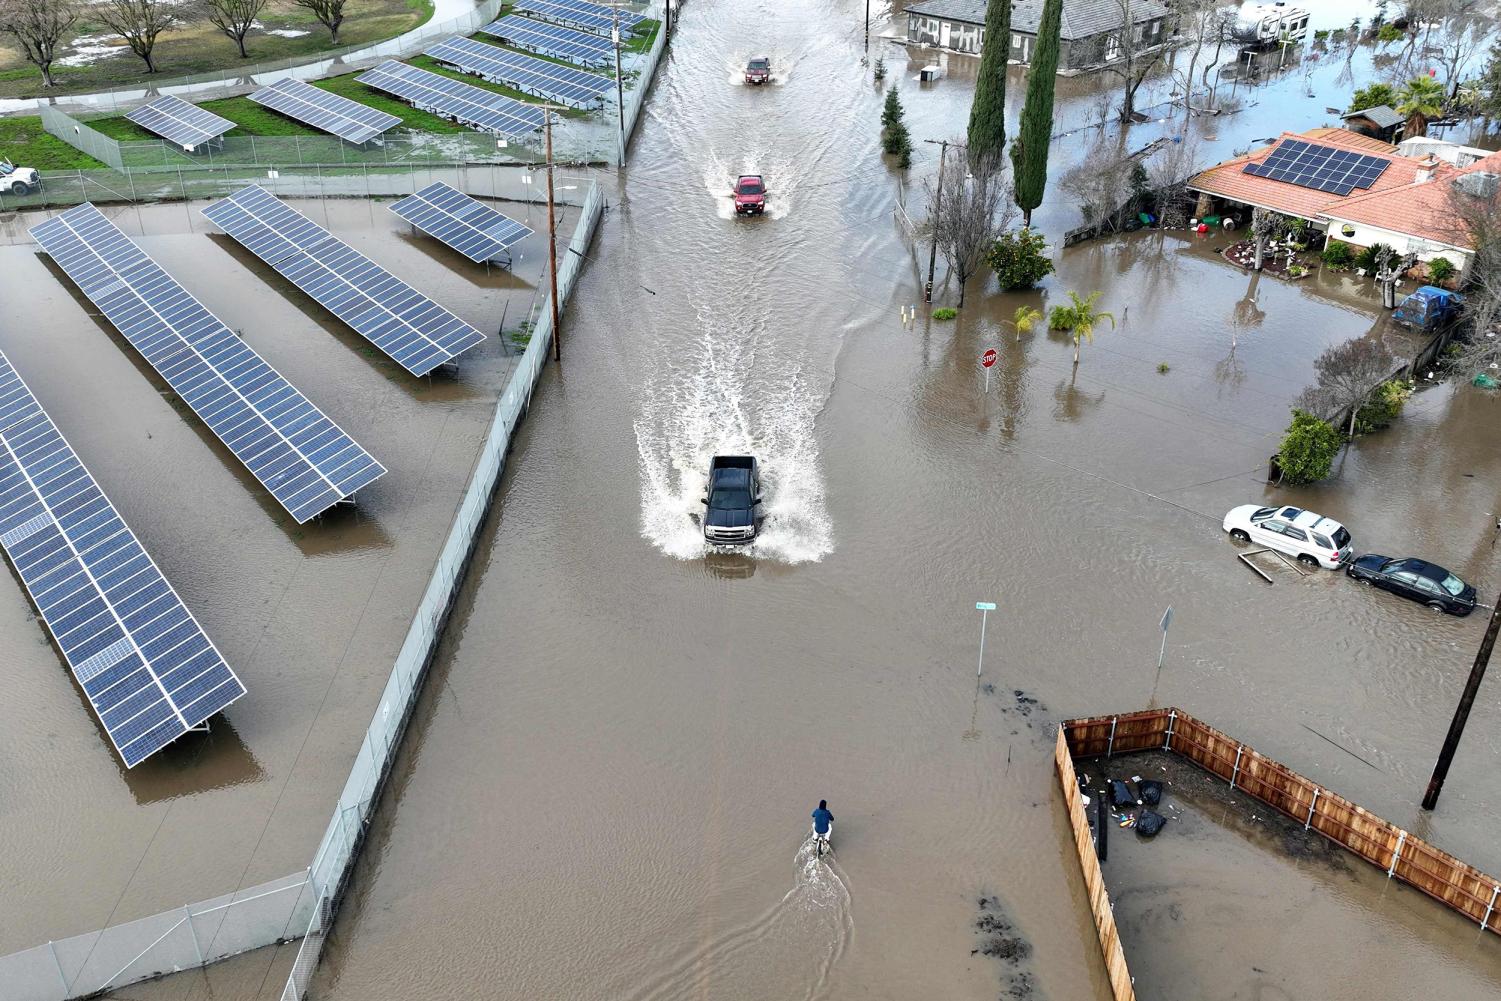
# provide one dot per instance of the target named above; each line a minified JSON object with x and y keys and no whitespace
{"x":823,"y":821}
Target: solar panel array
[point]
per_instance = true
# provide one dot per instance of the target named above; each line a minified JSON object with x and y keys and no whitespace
{"x":552,"y":40}
{"x":301,"y":456}
{"x":523,"y":72}
{"x":177,"y":121}
{"x":415,"y":331}
{"x":349,"y":120}
{"x":141,"y":658}
{"x":580,"y":14}
{"x":465,"y":103}
{"x":1323,"y":168}
{"x":472,"y":228}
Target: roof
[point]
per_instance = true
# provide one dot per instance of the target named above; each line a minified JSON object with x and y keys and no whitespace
{"x":1081,"y":18}
{"x":1229,"y":180}
{"x":1382,"y":116}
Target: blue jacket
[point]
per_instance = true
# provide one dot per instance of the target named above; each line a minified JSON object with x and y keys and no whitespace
{"x":821,"y":821}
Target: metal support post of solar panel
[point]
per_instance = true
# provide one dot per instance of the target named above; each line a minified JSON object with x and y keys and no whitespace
{"x":304,"y":459}
{"x":464,"y":103}
{"x":471,"y":227}
{"x":580,"y":14}
{"x":136,"y":651}
{"x":179,"y":122}
{"x":554,"y":40}
{"x":1322,"y":168}
{"x":525,"y":73}
{"x":416,"y":332}
{"x":349,"y":120}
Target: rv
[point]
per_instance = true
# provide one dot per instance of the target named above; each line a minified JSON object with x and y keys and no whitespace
{"x":1268,"y":23}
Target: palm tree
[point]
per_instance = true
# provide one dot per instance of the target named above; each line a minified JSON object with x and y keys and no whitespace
{"x":1085,"y":319}
{"x":1421,"y":99}
{"x":1023,"y":319}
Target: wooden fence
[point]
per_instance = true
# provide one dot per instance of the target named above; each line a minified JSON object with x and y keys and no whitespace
{"x":1457,"y":885}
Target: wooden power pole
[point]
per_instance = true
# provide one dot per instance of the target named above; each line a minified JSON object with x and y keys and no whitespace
{"x":1462,"y":712}
{"x":552,"y":249}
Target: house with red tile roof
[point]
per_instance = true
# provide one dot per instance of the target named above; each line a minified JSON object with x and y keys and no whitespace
{"x":1409,"y":206}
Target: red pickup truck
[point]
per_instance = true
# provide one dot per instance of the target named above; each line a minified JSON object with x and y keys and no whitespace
{"x":758,"y":71}
{"x":750,"y":195}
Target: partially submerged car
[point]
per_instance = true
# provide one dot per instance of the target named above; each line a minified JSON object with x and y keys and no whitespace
{"x":758,"y":70}
{"x":749,"y":195}
{"x":732,"y":513}
{"x":1429,"y":308}
{"x":1416,"y":580}
{"x":1307,"y":536}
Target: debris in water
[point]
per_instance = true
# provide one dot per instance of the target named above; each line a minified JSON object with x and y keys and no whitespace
{"x":999,"y":939}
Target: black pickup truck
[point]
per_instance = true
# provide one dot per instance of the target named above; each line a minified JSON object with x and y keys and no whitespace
{"x":733,"y":514}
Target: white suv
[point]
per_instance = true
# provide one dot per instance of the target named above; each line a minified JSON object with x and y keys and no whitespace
{"x":1310,"y":537}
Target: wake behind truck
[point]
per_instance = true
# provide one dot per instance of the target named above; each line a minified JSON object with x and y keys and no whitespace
{"x":732,"y":507}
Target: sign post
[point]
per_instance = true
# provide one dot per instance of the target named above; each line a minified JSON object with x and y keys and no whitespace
{"x":984,"y":608}
{"x":1167,"y":620}
{"x":986,"y":360}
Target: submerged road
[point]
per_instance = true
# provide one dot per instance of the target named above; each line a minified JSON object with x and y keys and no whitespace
{"x":606,"y":786}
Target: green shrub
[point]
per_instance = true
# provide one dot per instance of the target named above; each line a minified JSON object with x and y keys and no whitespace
{"x":1308,"y":449}
{"x":1370,"y":97}
{"x":1337,"y":255}
{"x":1061,"y":318}
{"x":1018,"y":259}
{"x":1163,"y":368}
{"x":1371,"y":258}
{"x":1440,"y":270}
{"x":945,"y":313}
{"x":880,"y":68}
{"x":1384,"y":406}
{"x":1390,"y":33}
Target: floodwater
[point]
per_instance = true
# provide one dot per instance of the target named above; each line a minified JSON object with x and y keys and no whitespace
{"x":310,"y":616}
{"x":605,"y":791}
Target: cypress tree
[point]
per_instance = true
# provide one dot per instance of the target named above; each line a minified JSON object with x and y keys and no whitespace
{"x":1029,"y":152}
{"x":987,"y":116}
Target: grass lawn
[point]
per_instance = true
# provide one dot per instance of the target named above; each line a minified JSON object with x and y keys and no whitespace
{"x":26,"y":144}
{"x":196,"y":46}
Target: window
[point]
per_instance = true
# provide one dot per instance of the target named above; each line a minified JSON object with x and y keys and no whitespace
{"x":1404,"y":576}
{"x":1427,"y":586}
{"x":1321,"y":542}
{"x":1295,"y":533}
{"x":1263,"y":513}
{"x":1453,"y":585}
{"x":1112,"y":49}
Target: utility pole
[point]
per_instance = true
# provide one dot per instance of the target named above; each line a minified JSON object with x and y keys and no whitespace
{"x":867,"y":27}
{"x":552,"y":249}
{"x":619,"y":85}
{"x":1462,"y":712}
{"x":943,"y":152}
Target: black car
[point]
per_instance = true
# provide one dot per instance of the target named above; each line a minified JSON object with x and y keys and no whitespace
{"x":1416,"y":579}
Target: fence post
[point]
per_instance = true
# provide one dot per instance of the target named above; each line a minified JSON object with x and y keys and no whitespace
{"x":1309,"y":822}
{"x":1172,"y":721}
{"x":1396,"y":853}
{"x":67,"y":989}
{"x":187,"y":916}
{"x":1110,"y":747}
{"x":1235,"y":772}
{"x":1491,"y":907}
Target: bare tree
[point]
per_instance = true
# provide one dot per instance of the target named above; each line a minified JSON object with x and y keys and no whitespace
{"x":38,"y":26}
{"x":1347,"y":374}
{"x":1265,"y":225}
{"x":1100,"y":183}
{"x":1129,"y":56}
{"x":1474,"y":220}
{"x":330,"y":14}
{"x":235,"y":18}
{"x":1464,"y":35}
{"x":971,"y":215}
{"x":1209,"y":25}
{"x":139,"y":22}
{"x":1168,"y":172}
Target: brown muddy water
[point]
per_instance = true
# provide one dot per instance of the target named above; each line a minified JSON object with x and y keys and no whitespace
{"x":606,"y":788}
{"x":310,"y":617}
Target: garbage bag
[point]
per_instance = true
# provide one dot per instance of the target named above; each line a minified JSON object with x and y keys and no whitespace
{"x":1485,"y":382}
{"x":1148,"y":823}
{"x":1151,"y":791}
{"x":1120,"y":795}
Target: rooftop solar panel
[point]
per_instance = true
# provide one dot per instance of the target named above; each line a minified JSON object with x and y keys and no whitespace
{"x":177,"y":121}
{"x":465,"y":103}
{"x":1322,"y":168}
{"x":141,"y":658}
{"x":303,"y":458}
{"x":349,"y":120}
{"x":416,"y":332}
{"x":526,"y":73}
{"x":580,"y":14}
{"x":552,"y":40}
{"x":472,"y":228}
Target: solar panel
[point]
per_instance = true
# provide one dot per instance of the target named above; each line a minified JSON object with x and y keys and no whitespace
{"x":526,"y":73}
{"x":552,"y":40}
{"x":340,"y":116}
{"x":580,"y":14}
{"x":141,"y":658}
{"x":415,"y":331}
{"x":177,"y":121}
{"x":1323,"y":168}
{"x":303,"y":458}
{"x":465,"y":103}
{"x":472,"y":228}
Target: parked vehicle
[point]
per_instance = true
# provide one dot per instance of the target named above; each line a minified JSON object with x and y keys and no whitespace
{"x":750,"y":195}
{"x":758,"y":70}
{"x":1305,"y":535}
{"x":1417,"y":580}
{"x":1429,"y":308}
{"x":732,"y":514}
{"x":1268,"y":23}
{"x":18,"y":180}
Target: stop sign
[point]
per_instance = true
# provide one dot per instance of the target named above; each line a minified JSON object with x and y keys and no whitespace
{"x":988,"y":358}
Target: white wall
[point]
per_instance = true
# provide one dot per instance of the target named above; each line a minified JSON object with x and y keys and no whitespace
{"x":1365,"y":235}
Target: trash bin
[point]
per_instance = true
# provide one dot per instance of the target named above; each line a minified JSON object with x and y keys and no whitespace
{"x":1274,"y":470}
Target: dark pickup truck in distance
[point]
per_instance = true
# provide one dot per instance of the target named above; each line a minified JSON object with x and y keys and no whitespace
{"x":732,"y":512}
